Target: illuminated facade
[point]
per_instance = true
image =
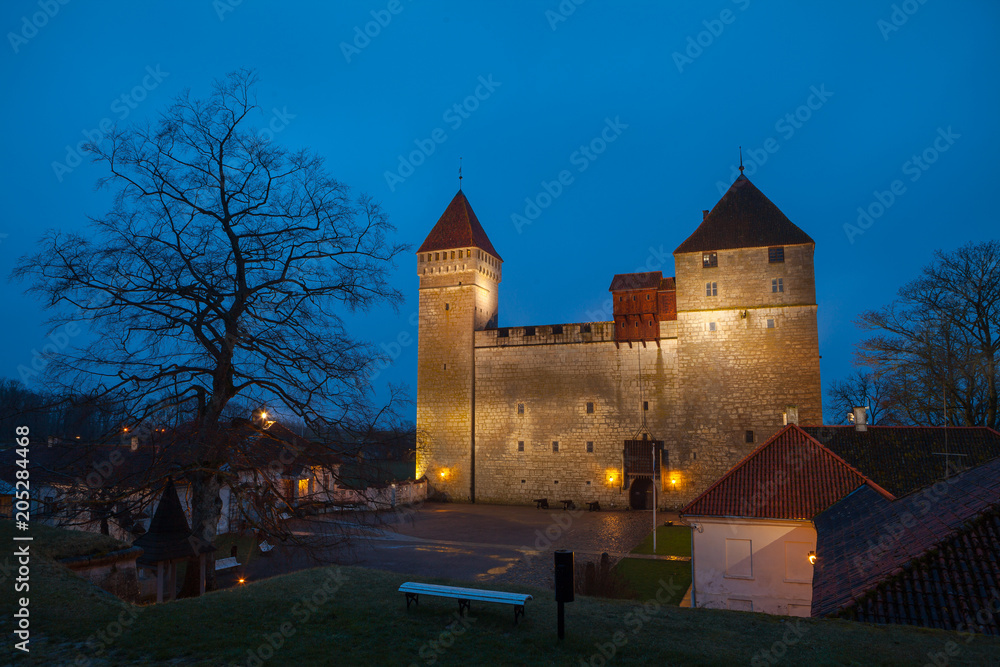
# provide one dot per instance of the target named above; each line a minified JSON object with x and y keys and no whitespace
{"x":712,"y":361}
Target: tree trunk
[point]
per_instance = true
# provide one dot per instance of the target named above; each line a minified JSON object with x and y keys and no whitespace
{"x":206,"y":509}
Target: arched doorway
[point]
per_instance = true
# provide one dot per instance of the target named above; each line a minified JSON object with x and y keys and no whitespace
{"x":640,"y":494}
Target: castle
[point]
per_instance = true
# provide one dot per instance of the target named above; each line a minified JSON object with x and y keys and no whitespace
{"x":693,"y":373}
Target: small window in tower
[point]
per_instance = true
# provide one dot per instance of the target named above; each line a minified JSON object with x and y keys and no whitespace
{"x":711,"y":289}
{"x":520,"y":408}
{"x":453,"y":254}
{"x":529,"y":331}
{"x":777,"y":284}
{"x":775,"y":255}
{"x":584,"y":328}
{"x":447,"y":306}
{"x":709,"y":259}
{"x":645,"y":405}
{"x":555,"y":446}
{"x":749,"y":437}
{"x":503,"y":333}
{"x":590,"y":447}
{"x":557,"y":328}
{"x":770,"y":323}
{"x":520,"y":445}
{"x":711,"y":326}
{"x":636,"y":325}
{"x":633,"y":297}
{"x":621,"y":298}
{"x":647,"y":297}
{"x":590,"y":408}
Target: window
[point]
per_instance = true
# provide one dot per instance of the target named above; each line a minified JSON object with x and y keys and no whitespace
{"x":711,"y":326}
{"x":557,"y":329}
{"x":711,"y":289}
{"x":529,"y":331}
{"x":770,"y":323}
{"x":739,"y":564}
{"x":645,"y":405}
{"x":775,"y":255}
{"x":585,"y":328}
{"x":453,"y":254}
{"x":709,"y":259}
{"x":555,"y":446}
{"x":447,"y":307}
{"x":590,"y":447}
{"x":503,"y":333}
{"x":647,"y":297}
{"x":303,"y":487}
{"x":633,"y":297}
{"x":520,"y":445}
{"x":621,"y":298}
{"x":749,"y":436}
{"x":520,"y":408}
{"x":590,"y":408}
{"x":777,"y":284}
{"x":636,"y":325}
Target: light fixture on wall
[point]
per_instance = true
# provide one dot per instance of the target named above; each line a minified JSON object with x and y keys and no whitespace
{"x":812,"y":558}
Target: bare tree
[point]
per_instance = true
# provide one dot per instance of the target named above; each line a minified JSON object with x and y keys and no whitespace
{"x":219,"y":273}
{"x":861,"y":388}
{"x":937,"y":347}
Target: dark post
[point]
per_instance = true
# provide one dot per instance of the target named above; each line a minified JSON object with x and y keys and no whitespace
{"x":564,"y":585}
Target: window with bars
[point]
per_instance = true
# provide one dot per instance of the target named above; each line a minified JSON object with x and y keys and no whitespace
{"x":709,"y":259}
{"x":775,"y":255}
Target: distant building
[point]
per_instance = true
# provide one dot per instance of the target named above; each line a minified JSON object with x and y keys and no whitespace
{"x":702,"y":366}
{"x":849,"y":521}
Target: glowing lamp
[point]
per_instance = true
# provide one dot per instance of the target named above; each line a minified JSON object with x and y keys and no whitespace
{"x":812,"y":558}
{"x":442,"y":473}
{"x":263,"y":414}
{"x":242,"y":580}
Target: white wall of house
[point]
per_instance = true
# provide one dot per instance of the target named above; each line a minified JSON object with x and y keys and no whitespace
{"x":753,"y":564}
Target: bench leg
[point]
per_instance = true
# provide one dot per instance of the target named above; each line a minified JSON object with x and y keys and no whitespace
{"x":518,"y":611}
{"x":464,"y":604}
{"x":411,"y":597}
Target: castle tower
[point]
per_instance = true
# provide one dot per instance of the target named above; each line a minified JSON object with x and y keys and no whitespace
{"x":459,"y":272}
{"x":748,"y":344}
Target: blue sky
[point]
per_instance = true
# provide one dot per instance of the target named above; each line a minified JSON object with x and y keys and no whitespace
{"x":830,"y":101}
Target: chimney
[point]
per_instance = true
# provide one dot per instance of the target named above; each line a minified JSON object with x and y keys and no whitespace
{"x":860,"y":418}
{"x":791,"y":414}
{"x":704,"y":214}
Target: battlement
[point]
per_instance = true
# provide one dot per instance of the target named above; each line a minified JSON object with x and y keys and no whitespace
{"x":558,"y":334}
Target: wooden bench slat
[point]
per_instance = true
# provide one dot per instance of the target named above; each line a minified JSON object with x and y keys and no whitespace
{"x":477,"y":594}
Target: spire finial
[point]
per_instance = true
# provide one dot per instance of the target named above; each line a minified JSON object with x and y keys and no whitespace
{"x":459,"y":174}
{"x":741,"y":160}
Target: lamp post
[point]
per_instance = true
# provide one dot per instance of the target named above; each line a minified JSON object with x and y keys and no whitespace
{"x":654,"y":499}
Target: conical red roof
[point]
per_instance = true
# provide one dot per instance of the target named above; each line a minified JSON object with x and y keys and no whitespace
{"x":743,"y":218}
{"x":458,"y":228}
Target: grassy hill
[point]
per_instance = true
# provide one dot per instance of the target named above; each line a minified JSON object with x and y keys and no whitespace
{"x":355,"y":616}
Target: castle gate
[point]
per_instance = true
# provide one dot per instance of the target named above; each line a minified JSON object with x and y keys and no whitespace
{"x":641,"y":471}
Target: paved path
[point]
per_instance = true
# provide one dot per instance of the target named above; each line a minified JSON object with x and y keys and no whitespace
{"x":478,"y":543}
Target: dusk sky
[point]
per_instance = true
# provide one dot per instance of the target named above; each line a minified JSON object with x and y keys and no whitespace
{"x":887,"y":107}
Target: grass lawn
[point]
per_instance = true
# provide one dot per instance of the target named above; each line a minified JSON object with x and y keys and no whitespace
{"x":644,"y":575}
{"x":670,"y":541}
{"x":355,"y":616}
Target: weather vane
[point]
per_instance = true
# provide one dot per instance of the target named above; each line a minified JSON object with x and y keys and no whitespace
{"x":459,"y":173}
{"x":741,"y":160}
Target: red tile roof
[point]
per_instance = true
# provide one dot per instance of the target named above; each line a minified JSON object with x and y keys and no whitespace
{"x":624,"y":282}
{"x":931,"y":558}
{"x":458,"y":227}
{"x":743,"y":218}
{"x":791,"y":476}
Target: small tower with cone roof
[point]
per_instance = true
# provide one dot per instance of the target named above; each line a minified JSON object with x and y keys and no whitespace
{"x":459,"y":272}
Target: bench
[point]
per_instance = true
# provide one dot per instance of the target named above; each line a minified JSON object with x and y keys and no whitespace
{"x":594,"y":506}
{"x":568,"y":504}
{"x":226,"y":563}
{"x":541,"y":503}
{"x":465,"y":596}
